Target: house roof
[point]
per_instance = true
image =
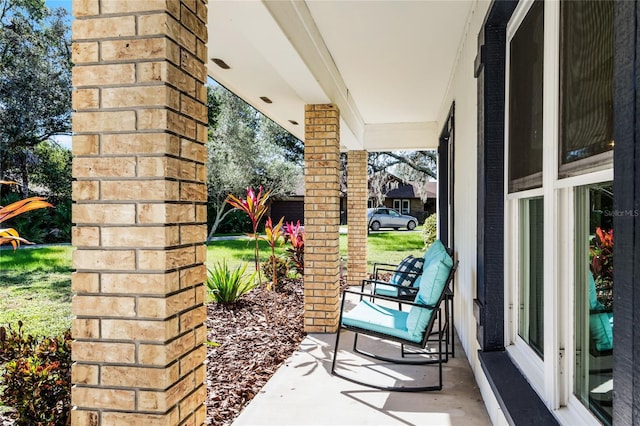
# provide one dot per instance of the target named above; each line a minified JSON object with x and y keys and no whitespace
{"x":386,"y":64}
{"x":408,"y":191}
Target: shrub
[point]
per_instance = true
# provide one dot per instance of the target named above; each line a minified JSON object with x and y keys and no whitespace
{"x":37,"y":382}
{"x":226,"y":286}
{"x":282,"y":268}
{"x":430,"y":230}
{"x":295,"y":235}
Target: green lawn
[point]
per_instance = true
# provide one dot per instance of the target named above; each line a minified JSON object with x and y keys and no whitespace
{"x":35,"y":284}
{"x":35,"y":287}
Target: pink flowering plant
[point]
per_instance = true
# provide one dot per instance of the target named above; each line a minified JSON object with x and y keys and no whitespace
{"x":294,"y":233}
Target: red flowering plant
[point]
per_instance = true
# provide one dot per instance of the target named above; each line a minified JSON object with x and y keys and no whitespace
{"x":255,"y":206}
{"x":273,"y":235}
{"x":295,"y":235}
{"x":602,"y":265}
{"x":10,"y":235}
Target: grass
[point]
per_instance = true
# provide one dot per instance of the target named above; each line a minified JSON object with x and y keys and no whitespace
{"x":35,"y":284}
{"x":35,"y":287}
{"x":388,"y":247}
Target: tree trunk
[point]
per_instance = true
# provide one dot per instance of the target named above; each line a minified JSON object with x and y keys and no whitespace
{"x":220,"y":215}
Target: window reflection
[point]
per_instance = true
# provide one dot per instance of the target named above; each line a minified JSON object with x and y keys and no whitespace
{"x":594,"y":299}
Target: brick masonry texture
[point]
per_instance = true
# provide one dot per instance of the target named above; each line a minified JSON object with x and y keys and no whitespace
{"x":139,"y":211}
{"x":357,"y":192}
{"x":322,"y":218}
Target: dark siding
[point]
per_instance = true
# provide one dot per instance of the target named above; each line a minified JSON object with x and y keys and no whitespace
{"x":520,"y":404}
{"x":626,"y":157}
{"x":490,"y":69}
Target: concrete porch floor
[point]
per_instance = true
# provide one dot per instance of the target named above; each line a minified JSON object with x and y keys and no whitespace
{"x":303,"y":392}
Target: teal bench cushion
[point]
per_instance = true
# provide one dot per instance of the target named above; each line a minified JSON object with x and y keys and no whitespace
{"x":432,"y":283}
{"x":369,"y":316}
{"x":600,"y":323}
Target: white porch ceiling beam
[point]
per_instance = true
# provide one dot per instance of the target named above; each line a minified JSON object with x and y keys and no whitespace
{"x":295,"y":20}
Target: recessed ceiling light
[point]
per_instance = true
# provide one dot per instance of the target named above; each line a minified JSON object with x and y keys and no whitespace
{"x":294,"y":122}
{"x":219,"y":62}
{"x":266,"y":100}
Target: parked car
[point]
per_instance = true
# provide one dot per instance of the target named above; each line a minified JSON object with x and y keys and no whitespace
{"x":383,"y":217}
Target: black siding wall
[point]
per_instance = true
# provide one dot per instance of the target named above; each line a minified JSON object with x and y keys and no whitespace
{"x":626,"y":157}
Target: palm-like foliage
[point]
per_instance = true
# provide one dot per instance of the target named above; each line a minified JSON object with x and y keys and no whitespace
{"x":10,"y":235}
{"x":273,"y":234}
{"x":255,"y":206}
{"x":226,"y":286}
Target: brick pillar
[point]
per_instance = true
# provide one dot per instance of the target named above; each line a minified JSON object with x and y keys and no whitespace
{"x":139,"y":212}
{"x":321,"y":218}
{"x":357,"y":192}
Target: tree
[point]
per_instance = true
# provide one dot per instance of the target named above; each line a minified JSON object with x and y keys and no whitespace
{"x":35,"y":83}
{"x":242,"y":154}
{"x":414,"y":167}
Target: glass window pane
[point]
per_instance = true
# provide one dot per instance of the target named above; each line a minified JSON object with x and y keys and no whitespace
{"x":531,"y":288}
{"x":586,"y":88}
{"x":526,"y":52}
{"x":593,"y":380}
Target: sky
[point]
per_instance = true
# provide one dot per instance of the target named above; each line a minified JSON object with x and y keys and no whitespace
{"x":53,"y":4}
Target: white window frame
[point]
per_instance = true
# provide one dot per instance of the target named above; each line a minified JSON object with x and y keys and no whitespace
{"x":551,"y":377}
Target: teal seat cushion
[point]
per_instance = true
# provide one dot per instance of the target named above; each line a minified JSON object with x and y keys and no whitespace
{"x":386,"y":290}
{"x":369,"y":316}
{"x":600,"y":323}
{"x":433,"y":280}
{"x":432,"y":284}
{"x":601,"y":328}
{"x":434,"y":252}
{"x":593,"y":297}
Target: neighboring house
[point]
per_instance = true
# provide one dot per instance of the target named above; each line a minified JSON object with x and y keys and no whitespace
{"x":404,"y":199}
{"x":400,"y":197}
{"x":290,"y":207}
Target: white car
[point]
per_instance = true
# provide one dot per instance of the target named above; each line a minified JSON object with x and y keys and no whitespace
{"x":384,"y":217}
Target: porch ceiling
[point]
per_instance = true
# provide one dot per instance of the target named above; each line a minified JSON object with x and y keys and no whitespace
{"x":386,"y":64}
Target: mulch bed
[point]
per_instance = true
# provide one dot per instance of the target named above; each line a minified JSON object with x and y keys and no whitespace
{"x":256,"y":335}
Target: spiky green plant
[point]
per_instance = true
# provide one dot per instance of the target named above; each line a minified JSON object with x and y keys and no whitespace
{"x":226,"y":285}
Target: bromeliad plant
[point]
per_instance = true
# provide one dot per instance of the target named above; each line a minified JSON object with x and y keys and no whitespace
{"x":255,"y":206}
{"x":273,"y":235}
{"x":10,"y":235}
{"x":295,"y":235}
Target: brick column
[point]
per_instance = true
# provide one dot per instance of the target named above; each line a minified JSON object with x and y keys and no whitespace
{"x":321,"y":218}
{"x":357,"y":192}
{"x":139,"y":212}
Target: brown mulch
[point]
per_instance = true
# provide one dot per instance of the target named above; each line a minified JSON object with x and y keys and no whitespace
{"x":256,"y":335}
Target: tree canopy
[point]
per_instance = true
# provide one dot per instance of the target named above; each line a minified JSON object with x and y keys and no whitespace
{"x":244,"y":151}
{"x":35,"y":82}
